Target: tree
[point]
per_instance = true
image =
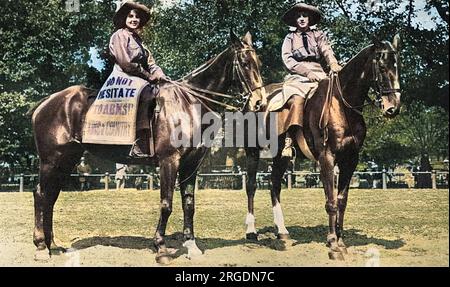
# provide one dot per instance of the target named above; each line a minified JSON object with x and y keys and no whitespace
{"x":424,"y":130}
{"x":15,"y":140}
{"x":47,"y":49}
{"x":382,"y":143}
{"x":184,"y":36}
{"x":44,"y":49}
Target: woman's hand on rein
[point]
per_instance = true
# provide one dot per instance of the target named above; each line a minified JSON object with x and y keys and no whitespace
{"x":313,"y":77}
{"x":335,"y":67}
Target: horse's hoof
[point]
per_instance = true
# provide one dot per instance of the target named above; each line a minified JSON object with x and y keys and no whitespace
{"x":343,"y":249}
{"x":283,"y":236}
{"x":163,"y":259}
{"x":341,"y":246}
{"x":334,"y":255}
{"x":42,"y":255}
{"x":251,"y":236}
{"x":193,"y":250}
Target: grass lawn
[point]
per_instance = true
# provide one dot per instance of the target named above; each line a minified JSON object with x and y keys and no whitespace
{"x":406,"y":228}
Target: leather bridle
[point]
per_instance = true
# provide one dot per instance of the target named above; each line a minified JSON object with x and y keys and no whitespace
{"x":378,"y":80}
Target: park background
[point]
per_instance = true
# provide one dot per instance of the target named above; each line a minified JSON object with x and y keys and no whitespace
{"x":47,"y":46}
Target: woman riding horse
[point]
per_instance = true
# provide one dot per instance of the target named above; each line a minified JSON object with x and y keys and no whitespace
{"x":333,"y":129}
{"x":133,"y":58}
{"x":58,"y":118}
{"x":302,"y":52}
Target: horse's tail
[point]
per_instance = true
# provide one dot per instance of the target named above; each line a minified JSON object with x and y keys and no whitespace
{"x":35,"y":105}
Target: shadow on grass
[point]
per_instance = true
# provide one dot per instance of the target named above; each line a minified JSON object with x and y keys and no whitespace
{"x":173,"y":241}
{"x":126,"y":242}
{"x":352,"y":237}
{"x":266,"y":238}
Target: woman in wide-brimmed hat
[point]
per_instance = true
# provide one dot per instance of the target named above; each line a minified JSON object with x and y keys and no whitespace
{"x":304,"y":48}
{"x":131,"y":56}
{"x":126,"y":45}
{"x":302,"y":52}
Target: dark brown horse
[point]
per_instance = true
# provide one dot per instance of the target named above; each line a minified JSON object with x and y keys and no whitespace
{"x":57,"y":124}
{"x":334,"y":130}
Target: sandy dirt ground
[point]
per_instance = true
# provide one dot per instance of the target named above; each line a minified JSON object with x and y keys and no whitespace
{"x":115,"y":229}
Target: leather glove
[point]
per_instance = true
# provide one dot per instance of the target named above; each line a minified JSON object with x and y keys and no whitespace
{"x":157,"y":76}
{"x":313,"y":77}
{"x":335,"y":67}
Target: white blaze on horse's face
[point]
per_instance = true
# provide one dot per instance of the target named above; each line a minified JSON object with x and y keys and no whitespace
{"x":133,"y":20}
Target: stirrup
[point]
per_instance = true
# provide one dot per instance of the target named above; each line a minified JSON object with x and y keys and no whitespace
{"x":287,"y":150}
{"x":136,"y":152}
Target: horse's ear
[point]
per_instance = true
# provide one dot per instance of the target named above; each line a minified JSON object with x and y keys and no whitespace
{"x":396,"y":42}
{"x":235,"y":41}
{"x":248,"y":39}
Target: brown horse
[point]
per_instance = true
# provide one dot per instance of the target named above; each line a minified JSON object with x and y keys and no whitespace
{"x":334,"y":130}
{"x":58,"y":120}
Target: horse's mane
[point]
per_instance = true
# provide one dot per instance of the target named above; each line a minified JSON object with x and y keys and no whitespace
{"x":361,"y":55}
{"x":204,"y":66}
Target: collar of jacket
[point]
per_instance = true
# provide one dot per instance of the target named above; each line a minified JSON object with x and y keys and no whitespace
{"x":292,"y":33}
{"x":131,"y":33}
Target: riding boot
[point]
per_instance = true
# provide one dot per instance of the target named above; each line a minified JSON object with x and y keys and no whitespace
{"x":292,"y":131}
{"x":140,"y":146}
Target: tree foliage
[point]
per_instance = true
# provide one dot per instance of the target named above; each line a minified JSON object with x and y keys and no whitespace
{"x":424,"y":129}
{"x":15,"y":140}
{"x":46,"y":48}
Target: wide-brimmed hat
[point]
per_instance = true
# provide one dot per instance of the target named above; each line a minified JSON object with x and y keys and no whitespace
{"x":125,"y":8}
{"x":291,"y":15}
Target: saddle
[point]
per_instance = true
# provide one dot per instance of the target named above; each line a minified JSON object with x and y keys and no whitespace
{"x":292,"y":85}
{"x":290,"y":109}
{"x":111,"y":118}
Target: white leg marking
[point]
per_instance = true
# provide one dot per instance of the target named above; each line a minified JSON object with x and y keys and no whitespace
{"x":250,"y":221}
{"x":192,"y":248}
{"x":278,"y":219}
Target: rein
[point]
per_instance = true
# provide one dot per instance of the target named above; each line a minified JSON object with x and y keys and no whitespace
{"x":324,"y":117}
{"x":380,"y":90}
{"x":325,"y":114}
{"x":237,"y":69}
{"x":196,"y":92}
